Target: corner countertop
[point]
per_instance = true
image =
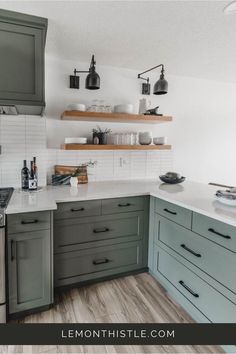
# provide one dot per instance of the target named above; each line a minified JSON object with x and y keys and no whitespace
{"x":195,"y":196}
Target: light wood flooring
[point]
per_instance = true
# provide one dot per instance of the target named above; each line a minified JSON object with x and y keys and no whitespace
{"x":138,"y":299}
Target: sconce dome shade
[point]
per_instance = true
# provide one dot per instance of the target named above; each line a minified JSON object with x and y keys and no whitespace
{"x":160,"y":87}
{"x":92,"y":81}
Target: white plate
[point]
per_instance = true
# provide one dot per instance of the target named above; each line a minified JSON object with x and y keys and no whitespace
{"x":77,"y":107}
{"x":79,"y":140}
{"x":231,"y":202}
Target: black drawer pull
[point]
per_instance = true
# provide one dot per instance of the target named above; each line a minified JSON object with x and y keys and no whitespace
{"x":219,"y":234}
{"x":181,"y":282}
{"x":97,"y":231}
{"x":23,"y":222}
{"x":191,"y":251}
{"x":80,"y":209}
{"x":169,"y":211}
{"x":101,"y":261}
{"x":124,"y":205}
{"x":12,"y":251}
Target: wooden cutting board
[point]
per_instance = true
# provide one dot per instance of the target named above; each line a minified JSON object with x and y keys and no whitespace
{"x":64,"y":170}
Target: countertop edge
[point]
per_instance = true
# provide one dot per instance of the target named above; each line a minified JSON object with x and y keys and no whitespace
{"x":50,"y":197}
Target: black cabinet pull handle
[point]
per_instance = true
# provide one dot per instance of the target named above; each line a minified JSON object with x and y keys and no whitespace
{"x":25,"y":222}
{"x":80,"y":209}
{"x":101,"y":261}
{"x":169,"y":211}
{"x":124,"y":205}
{"x":219,"y":234}
{"x":191,"y":251}
{"x":181,"y":282}
{"x":12,"y":252}
{"x":97,"y":231}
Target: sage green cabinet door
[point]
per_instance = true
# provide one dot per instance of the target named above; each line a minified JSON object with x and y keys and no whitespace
{"x":21,"y":64}
{"x":29,"y":270}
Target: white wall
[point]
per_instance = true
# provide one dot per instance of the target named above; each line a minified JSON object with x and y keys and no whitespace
{"x":203,"y":132}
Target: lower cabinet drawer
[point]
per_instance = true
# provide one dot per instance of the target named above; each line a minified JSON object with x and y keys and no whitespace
{"x":72,"y":210}
{"x":213,"y":259}
{"x":70,"y":235}
{"x":174,"y":212}
{"x":24,"y":222}
{"x":217,"y":231}
{"x":73,"y":267}
{"x":122,"y":205}
{"x":208,"y":300}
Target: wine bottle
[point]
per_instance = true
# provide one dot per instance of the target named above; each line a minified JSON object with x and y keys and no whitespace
{"x":25,"y":176}
{"x":32,"y":179}
{"x":35,"y":167}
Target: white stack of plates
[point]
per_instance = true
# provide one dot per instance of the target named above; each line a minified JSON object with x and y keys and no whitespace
{"x":76,"y":107}
{"x":79,"y":140}
{"x":227,"y":197}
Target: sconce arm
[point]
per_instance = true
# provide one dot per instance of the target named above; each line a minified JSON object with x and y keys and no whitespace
{"x":146,"y":71}
{"x":79,"y":71}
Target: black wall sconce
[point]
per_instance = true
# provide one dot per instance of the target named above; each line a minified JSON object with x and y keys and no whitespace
{"x":92,"y":81}
{"x":160,"y":87}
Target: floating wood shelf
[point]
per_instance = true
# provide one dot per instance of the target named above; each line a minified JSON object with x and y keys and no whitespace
{"x":114,"y":117}
{"x":114,"y":147}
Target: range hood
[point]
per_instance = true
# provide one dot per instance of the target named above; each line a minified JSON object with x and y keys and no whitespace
{"x":22,"y":46}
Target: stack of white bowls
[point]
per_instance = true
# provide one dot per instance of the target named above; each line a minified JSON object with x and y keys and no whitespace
{"x":124,"y":108}
{"x":160,"y":140}
{"x":76,"y":107}
{"x":145,"y":138}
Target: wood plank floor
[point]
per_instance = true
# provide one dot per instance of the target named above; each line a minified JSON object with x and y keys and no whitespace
{"x":137,"y":298}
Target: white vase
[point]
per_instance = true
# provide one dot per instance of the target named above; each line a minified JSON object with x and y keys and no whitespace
{"x":74,"y":181}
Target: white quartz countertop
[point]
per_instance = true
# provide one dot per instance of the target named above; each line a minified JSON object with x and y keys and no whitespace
{"x":195,"y":196}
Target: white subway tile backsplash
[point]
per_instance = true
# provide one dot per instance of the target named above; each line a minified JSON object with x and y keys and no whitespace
{"x":66,"y":157}
{"x":122,"y":164}
{"x":104,"y":169}
{"x":23,"y":137}
{"x":138,"y":164}
{"x":153,"y":164}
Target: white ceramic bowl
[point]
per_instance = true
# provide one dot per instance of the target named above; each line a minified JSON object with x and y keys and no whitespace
{"x":124,"y":108}
{"x":79,"y":140}
{"x":161,"y":140}
{"x":145,"y":138}
{"x":77,"y":107}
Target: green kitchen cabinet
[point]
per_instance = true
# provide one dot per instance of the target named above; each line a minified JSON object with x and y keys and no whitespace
{"x":30,"y":273}
{"x":100,"y":238}
{"x":22,"y":43}
{"x":193,"y":258}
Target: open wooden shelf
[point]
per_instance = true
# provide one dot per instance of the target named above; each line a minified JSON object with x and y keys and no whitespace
{"x":114,"y":117}
{"x":114,"y":147}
